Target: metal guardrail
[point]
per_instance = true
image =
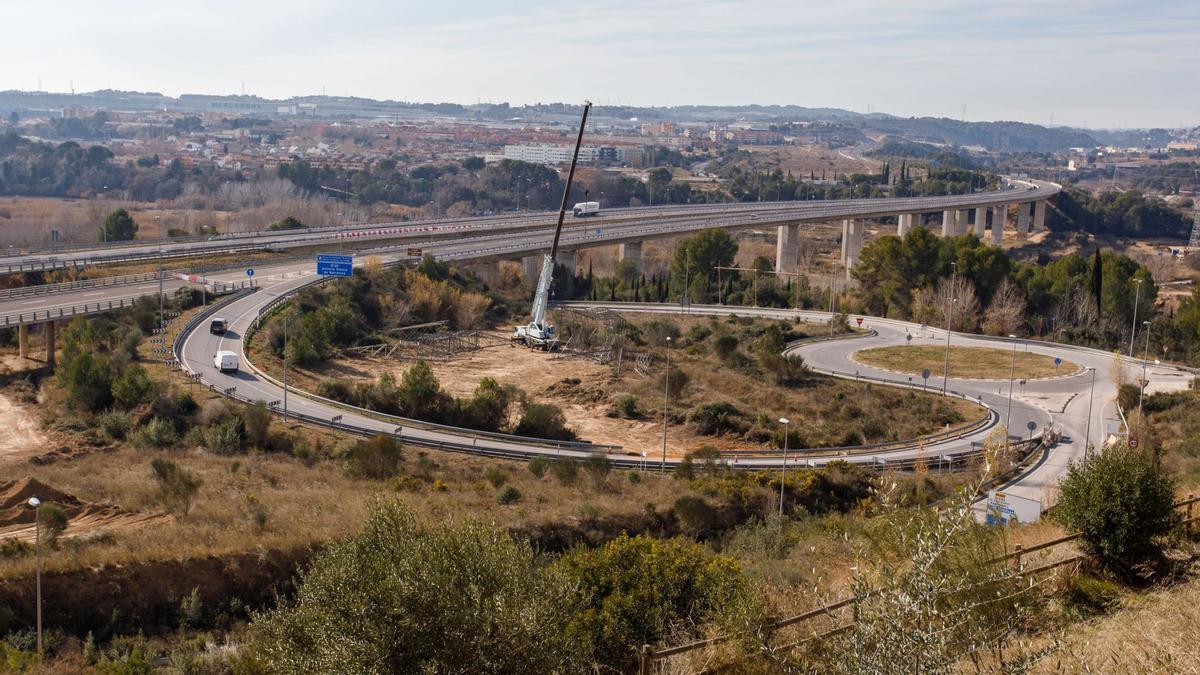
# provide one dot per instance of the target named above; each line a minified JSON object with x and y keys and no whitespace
{"x":88,"y":308}
{"x":105,"y":282}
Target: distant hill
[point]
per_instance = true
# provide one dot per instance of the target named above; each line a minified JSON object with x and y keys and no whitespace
{"x":997,"y":136}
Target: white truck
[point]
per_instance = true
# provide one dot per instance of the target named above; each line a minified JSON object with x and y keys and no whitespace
{"x":584,"y":209}
{"x":226,"y":362}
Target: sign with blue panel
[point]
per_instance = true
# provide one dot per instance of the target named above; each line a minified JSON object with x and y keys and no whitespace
{"x":335,"y":265}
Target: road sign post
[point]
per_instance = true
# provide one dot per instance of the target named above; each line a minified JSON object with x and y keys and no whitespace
{"x":329,"y":265}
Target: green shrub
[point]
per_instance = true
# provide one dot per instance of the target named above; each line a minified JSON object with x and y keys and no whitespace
{"x":627,"y":406}
{"x":402,"y":597}
{"x":724,"y":345}
{"x":714,"y":419}
{"x":223,"y":438}
{"x":656,"y":332}
{"x":543,"y":420}
{"x":256,"y":424}
{"x":636,"y":590}
{"x":115,"y":424}
{"x":565,"y":471}
{"x":676,"y":380}
{"x":1092,"y":594}
{"x":1127,"y":396}
{"x":133,"y":387}
{"x":157,"y":433}
{"x":376,"y":458}
{"x":696,"y":516}
{"x":509,"y":495}
{"x":598,"y":467}
{"x":495,"y":475}
{"x":538,"y":466}
{"x":53,"y":520}
{"x":177,"y":487}
{"x":1122,"y":503}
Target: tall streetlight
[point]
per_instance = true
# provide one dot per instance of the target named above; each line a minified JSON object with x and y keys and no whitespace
{"x":783,"y":469}
{"x":37,"y":547}
{"x":1011,"y":375}
{"x":666,"y":392}
{"x":950,"y":300}
{"x":1145,"y":362}
{"x":1133,"y":330}
{"x":285,"y":357}
{"x":1087,"y":441}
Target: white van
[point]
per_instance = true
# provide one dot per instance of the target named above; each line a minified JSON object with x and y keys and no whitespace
{"x":226,"y":362}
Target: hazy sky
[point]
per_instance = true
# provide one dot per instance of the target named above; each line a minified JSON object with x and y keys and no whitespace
{"x":1098,"y":63}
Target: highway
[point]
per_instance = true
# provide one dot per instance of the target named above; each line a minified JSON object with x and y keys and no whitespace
{"x":733,"y":215}
{"x":529,"y":239}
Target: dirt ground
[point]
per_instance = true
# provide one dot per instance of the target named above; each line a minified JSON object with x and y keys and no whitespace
{"x":17,"y":518}
{"x":541,"y":375}
{"x":22,"y":437}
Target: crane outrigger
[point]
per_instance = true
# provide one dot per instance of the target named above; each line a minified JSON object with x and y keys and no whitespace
{"x":538,"y":333}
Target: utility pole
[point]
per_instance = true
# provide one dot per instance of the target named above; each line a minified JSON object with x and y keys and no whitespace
{"x":1133,"y":329}
{"x":666,"y":392}
{"x":1087,"y":442}
{"x":285,"y":377}
{"x":950,"y":300}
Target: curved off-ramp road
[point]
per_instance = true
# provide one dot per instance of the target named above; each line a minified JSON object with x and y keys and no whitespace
{"x":1062,"y":402}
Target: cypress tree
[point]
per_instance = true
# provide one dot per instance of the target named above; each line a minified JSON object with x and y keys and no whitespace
{"x":1097,"y":278}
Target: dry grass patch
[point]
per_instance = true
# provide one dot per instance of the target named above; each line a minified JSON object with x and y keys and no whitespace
{"x":983,"y":363}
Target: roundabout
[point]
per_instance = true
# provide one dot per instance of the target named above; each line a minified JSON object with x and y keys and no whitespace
{"x":967,"y":363}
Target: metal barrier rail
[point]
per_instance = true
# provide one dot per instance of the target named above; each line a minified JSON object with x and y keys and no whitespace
{"x":105,"y":282}
{"x":89,"y":308}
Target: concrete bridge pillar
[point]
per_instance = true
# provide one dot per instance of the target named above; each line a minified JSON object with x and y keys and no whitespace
{"x":787,"y":248}
{"x":961,"y":217}
{"x":1039,"y":215}
{"x":852,"y":241}
{"x":904,"y":223}
{"x":947,"y":223}
{"x":49,"y":328}
{"x":631,"y":250}
{"x":1022,"y":219}
{"x":531,"y":267}
{"x":568,"y":259}
{"x":489,"y":273}
{"x":980,"y":221}
{"x":23,"y":340}
{"x":999,"y":216}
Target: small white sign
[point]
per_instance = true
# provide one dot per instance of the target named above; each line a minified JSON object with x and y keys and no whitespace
{"x":1003,"y":509}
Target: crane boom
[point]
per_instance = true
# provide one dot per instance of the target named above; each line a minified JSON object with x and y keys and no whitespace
{"x":538,"y":333}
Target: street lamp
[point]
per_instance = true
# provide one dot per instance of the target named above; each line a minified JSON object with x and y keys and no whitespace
{"x":36,"y":504}
{"x":1087,"y":441}
{"x":1133,"y":328}
{"x":783,"y":469}
{"x":666,"y":392}
{"x":1011,"y":374}
{"x":1145,"y":362}
{"x":950,"y":300}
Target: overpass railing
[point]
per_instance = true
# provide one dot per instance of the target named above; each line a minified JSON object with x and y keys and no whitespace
{"x":90,"y":308}
{"x":82,"y":284}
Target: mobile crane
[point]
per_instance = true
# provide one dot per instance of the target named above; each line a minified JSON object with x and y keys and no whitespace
{"x":538,"y":333}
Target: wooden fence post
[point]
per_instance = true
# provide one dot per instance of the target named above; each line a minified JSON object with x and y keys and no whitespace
{"x":646,"y":660}
{"x":1017,"y":553}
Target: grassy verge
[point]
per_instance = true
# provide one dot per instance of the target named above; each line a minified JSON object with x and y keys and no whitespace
{"x":982,"y":363}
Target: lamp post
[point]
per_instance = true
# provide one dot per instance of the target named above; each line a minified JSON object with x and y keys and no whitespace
{"x":1087,"y":440}
{"x":1133,"y":328}
{"x":950,"y":300}
{"x":1145,"y":362}
{"x":1011,"y":374}
{"x":37,"y":547}
{"x":666,"y":392}
{"x":783,"y":469}
{"x":285,"y":378}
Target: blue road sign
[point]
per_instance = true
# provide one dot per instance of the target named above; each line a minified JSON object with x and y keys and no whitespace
{"x":250,"y":272}
{"x":1057,"y":361}
{"x":335,"y":265}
